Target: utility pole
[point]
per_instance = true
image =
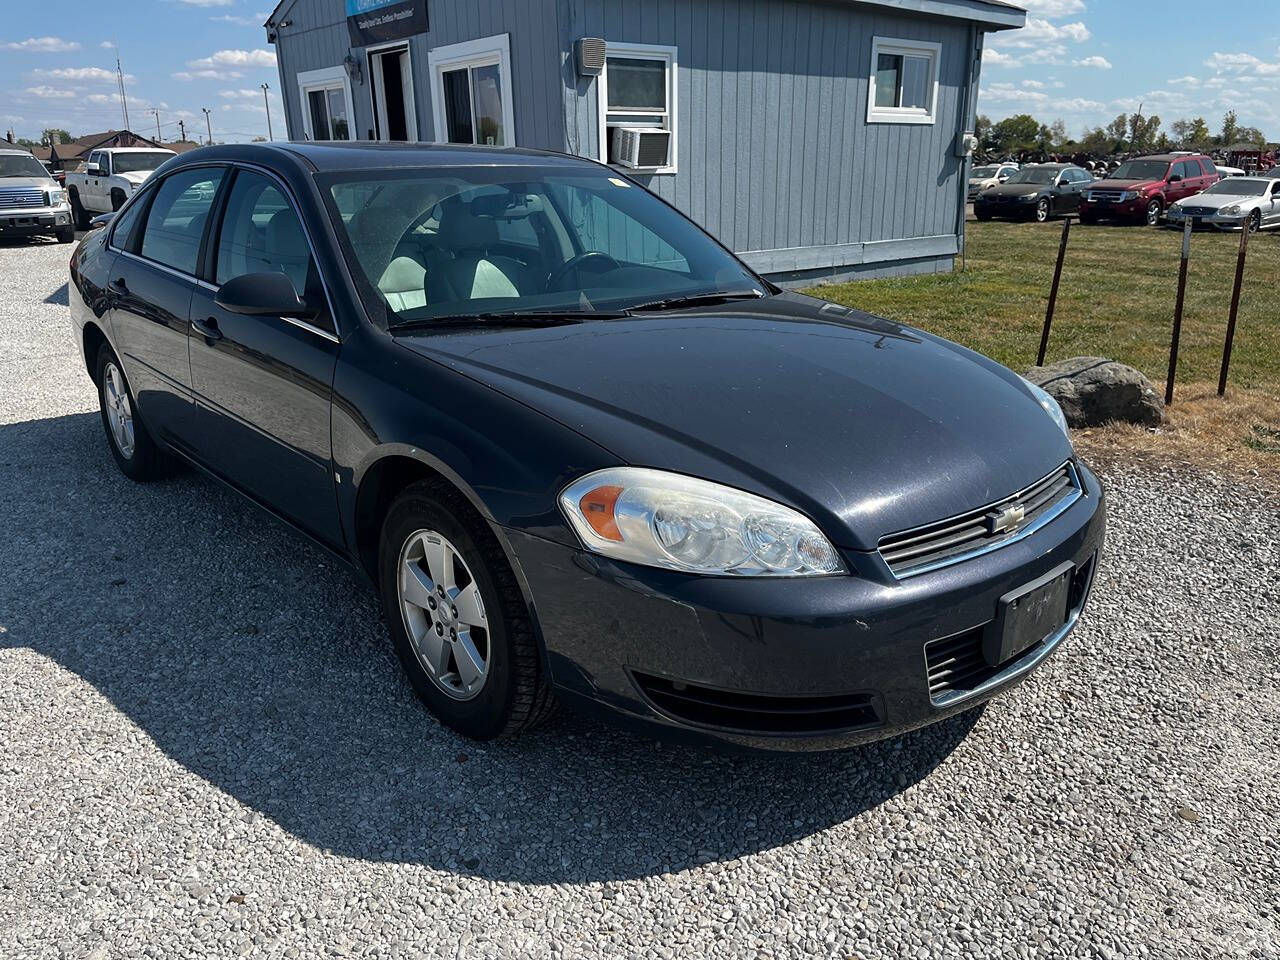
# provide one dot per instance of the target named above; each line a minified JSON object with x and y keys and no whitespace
{"x":124,"y":103}
{"x":156,"y":112}
{"x":270,"y":135}
{"x":182,"y":129}
{"x":208,"y":125}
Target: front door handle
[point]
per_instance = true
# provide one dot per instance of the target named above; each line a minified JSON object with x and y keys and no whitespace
{"x":207,"y":329}
{"x":118,"y":285}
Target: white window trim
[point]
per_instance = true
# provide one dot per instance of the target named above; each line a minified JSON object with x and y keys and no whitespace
{"x":326,"y":78}
{"x":411,"y":102}
{"x":906,"y":48}
{"x":646,"y":51}
{"x":472,"y":53}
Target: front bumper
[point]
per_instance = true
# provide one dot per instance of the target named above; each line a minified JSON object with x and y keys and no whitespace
{"x":1176,"y":218}
{"x":1013,"y":207}
{"x":35,"y":221}
{"x":1120,"y":210}
{"x":689,"y":657}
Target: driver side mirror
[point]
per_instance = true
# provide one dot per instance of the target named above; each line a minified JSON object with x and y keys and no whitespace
{"x":1176,"y":178}
{"x":262,"y":295}
{"x":1003,"y":178}
{"x":93,"y":170}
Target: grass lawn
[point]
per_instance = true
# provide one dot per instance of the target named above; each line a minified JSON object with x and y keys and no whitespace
{"x":1119,"y":285}
{"x":1118,"y":289}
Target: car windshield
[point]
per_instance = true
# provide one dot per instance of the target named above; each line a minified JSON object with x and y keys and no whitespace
{"x":449,"y":242}
{"x":1031,"y":175}
{"x":982,"y":173}
{"x":1140,"y":170}
{"x":133,"y":162}
{"x":1240,"y":187}
{"x":13,"y":165}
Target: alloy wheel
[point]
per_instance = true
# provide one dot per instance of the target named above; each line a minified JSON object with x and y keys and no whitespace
{"x":444,"y":614}
{"x":1042,"y":211}
{"x":1153,"y":213}
{"x":115,"y":397}
{"x":1255,"y":222}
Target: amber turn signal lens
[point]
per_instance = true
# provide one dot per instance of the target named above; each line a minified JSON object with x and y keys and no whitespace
{"x":597,"y":507}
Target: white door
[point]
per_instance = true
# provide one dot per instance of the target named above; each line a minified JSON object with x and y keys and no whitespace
{"x":394,"y":109}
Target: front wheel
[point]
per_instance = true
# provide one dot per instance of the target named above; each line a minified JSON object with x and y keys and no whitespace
{"x":1255,"y":221}
{"x":1154,"y":209}
{"x":982,"y":215}
{"x":78,"y":213}
{"x":457,"y":618}
{"x":117,"y":199}
{"x":1088,"y":218}
{"x":1042,"y":210}
{"x":66,"y":235}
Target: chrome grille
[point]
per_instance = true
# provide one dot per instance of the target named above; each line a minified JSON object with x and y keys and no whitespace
{"x":1108,"y":196}
{"x":941,"y":544}
{"x":1199,"y":211}
{"x":11,"y":198}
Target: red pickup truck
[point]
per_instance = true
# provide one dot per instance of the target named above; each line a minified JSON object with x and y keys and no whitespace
{"x":1143,"y":189}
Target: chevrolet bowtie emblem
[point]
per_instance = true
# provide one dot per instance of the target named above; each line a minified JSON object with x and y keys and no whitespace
{"x":1005,"y":520}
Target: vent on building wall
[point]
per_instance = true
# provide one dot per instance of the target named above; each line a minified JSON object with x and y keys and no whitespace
{"x":590,"y":52}
{"x":641,"y":147}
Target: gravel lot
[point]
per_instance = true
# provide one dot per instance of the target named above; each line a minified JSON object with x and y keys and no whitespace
{"x":208,"y":750}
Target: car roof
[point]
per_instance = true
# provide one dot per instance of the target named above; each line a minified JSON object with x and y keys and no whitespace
{"x":1051,"y":166}
{"x":160,"y":149}
{"x":364,"y":154}
{"x":1168,"y":157}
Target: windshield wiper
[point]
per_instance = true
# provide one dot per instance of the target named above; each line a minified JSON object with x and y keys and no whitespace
{"x":696,"y":300}
{"x":546,"y":318}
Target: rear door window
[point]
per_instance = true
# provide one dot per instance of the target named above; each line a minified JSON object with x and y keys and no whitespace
{"x":175,"y":224}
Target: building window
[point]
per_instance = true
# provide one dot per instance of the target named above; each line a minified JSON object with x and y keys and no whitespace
{"x":471,"y":92}
{"x":637,"y":91}
{"x":904,"y":81}
{"x":326,"y":104}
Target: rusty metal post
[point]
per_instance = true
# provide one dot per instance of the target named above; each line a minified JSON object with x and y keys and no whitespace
{"x":1235,"y":309}
{"x":1177,"y":312}
{"x":1053,"y":292}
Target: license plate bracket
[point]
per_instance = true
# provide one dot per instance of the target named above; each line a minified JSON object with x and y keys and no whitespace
{"x":1028,"y":615}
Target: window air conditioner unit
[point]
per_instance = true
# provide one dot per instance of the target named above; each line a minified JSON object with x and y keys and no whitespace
{"x":590,"y":56}
{"x":641,"y":147}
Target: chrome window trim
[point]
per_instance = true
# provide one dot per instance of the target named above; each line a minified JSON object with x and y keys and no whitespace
{"x":332,"y":335}
{"x":1039,"y":523}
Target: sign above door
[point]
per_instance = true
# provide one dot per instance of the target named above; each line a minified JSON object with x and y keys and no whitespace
{"x":377,"y":21}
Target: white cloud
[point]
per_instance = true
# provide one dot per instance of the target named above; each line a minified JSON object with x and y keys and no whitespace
{"x":995,"y":58}
{"x":1054,"y":8}
{"x":44,"y":45}
{"x":254,"y":20}
{"x":1244,"y":63}
{"x":240,"y":94}
{"x":81,"y":74}
{"x":207,"y":3}
{"x":1033,"y":84}
{"x":1038,"y":33}
{"x":208,"y":75}
{"x":107,"y":45}
{"x":1187,"y":81}
{"x":1100,"y":63}
{"x":45,"y":92}
{"x":1078,"y":105}
{"x":235,"y":58}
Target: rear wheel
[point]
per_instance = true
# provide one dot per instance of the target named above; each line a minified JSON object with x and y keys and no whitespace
{"x":457,"y":618}
{"x":135,"y":452}
{"x":1043,"y":210}
{"x":78,"y":213}
{"x":1154,"y":209}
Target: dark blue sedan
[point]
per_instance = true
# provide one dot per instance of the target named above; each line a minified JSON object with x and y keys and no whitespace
{"x":586,"y":455}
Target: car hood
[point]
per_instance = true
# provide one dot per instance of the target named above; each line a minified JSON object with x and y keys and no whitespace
{"x":28,"y":183}
{"x":135,"y":176}
{"x":1016,"y":189}
{"x":1214,"y":201}
{"x":866,"y":426}
{"x":1123,"y":184}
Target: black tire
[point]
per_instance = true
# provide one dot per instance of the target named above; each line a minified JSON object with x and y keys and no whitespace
{"x":66,"y":235}
{"x":982,"y":215}
{"x":78,"y":213}
{"x":1255,"y":221}
{"x":1044,"y":210}
{"x":1154,"y":209}
{"x":117,"y":199}
{"x":1088,"y":218}
{"x":516,"y":694}
{"x":146,"y":462}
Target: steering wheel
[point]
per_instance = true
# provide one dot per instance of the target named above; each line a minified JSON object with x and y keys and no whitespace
{"x":604,"y":263}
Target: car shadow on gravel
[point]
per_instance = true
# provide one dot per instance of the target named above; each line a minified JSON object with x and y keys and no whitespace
{"x":260,"y":664}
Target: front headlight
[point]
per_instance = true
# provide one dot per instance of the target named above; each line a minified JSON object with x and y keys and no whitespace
{"x":668,"y":520}
{"x":1231,"y":211}
{"x":57,"y":196}
{"x":1049,"y":404}
{"x":1129,"y":195}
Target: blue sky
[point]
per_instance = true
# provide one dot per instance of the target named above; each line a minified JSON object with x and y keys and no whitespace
{"x":1082,"y":61}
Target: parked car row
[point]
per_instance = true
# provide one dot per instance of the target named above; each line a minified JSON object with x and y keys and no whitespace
{"x":1162,"y":188}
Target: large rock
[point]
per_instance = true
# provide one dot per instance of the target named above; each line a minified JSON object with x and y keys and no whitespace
{"x":1093,"y":391}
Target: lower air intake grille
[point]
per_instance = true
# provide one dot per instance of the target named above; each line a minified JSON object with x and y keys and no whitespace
{"x":758,"y":713}
{"x":950,"y":541}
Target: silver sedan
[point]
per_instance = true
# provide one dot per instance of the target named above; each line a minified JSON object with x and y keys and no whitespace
{"x":1232,"y":204}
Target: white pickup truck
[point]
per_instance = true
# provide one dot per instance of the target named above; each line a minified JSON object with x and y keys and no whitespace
{"x":110,"y":178}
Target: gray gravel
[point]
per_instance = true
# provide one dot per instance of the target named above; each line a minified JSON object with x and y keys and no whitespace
{"x":207,"y":749}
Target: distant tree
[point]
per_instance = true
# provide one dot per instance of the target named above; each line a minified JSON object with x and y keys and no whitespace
{"x":1230,"y":129}
{"x":1163,"y":142}
{"x":1058,"y":134}
{"x":1191,"y":134}
{"x":1097,"y":142}
{"x":46,"y":137}
{"x":982,"y":130}
{"x":1252,"y":136}
{"x":29,"y":144}
{"x":1118,"y":128}
{"x":1016,"y":134}
{"x":1142,"y":131}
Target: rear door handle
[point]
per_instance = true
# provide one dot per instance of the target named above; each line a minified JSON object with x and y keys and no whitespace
{"x":207,"y":329}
